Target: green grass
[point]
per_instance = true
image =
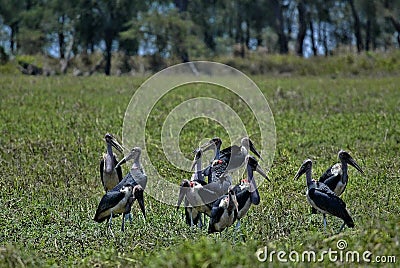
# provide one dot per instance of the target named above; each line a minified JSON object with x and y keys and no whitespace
{"x":52,"y":139}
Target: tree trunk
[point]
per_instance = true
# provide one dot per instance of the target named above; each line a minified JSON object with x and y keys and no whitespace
{"x":12,"y":38}
{"x":61,"y":40}
{"x":65,"y":61}
{"x":247,"y":41}
{"x":108,"y":41}
{"x":325,"y":39}
{"x":368,"y":35}
{"x":280,"y":27}
{"x":238,"y":35}
{"x":259,"y":38}
{"x":313,"y":46}
{"x":396,"y":25}
{"x":302,"y":28}
{"x":181,"y":5}
{"x":357,"y":27}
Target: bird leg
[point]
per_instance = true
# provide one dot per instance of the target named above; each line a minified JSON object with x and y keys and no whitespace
{"x":123,"y":223}
{"x":128,"y":216}
{"x":341,"y":228}
{"x":109,"y":224}
{"x":237,"y":227}
{"x":191,"y":218}
{"x":110,"y":220}
{"x":200,"y":223}
{"x":324,"y":216}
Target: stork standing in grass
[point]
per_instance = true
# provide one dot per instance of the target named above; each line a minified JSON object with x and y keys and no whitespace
{"x":233,"y":157}
{"x":198,"y":199}
{"x":247,"y":192}
{"x":224,"y":212}
{"x":110,"y":174}
{"x":336,"y":177}
{"x":136,"y":176}
{"x":116,"y":202}
{"x":215,"y":143}
{"x":321,"y":198}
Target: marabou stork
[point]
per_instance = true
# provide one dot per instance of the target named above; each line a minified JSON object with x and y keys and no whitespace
{"x":109,"y":173}
{"x":336,"y":176}
{"x":224,"y":212}
{"x":324,"y":200}
{"x":246,"y":191}
{"x":197,"y":198}
{"x":136,"y":176}
{"x":215,"y":143}
{"x":233,"y":157}
{"x":117,"y":202}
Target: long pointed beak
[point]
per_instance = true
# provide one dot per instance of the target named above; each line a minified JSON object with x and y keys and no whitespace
{"x":253,"y":149}
{"x":206,"y":146}
{"x":121,"y":162}
{"x":196,"y":158}
{"x":254,"y":194}
{"x":193,"y":164}
{"x":140,"y":200}
{"x":353,"y":163}
{"x":182,"y":193}
{"x":116,"y":145}
{"x":299,"y":173}
{"x":262,"y":172}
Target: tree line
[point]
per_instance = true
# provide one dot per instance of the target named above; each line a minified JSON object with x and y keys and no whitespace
{"x":191,"y":29}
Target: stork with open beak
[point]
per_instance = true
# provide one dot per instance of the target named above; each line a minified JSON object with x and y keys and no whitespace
{"x":110,"y":174}
{"x":321,"y":198}
{"x":117,"y":202}
{"x":136,"y":176}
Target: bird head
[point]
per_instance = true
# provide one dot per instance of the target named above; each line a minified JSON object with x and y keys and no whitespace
{"x":133,"y":154}
{"x":246,"y":142}
{"x":345,"y":157}
{"x":197,"y":157}
{"x":307,"y":165}
{"x":215,"y":142}
{"x":111,"y":140}
{"x":253,"y":165}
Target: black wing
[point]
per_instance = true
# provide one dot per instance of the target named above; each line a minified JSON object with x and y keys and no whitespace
{"x":109,"y":200}
{"x":128,"y":179}
{"x":241,"y":197}
{"x":327,"y":174}
{"x":101,"y":170}
{"x":332,"y":181}
{"x":326,"y":200}
{"x":118,"y":169}
{"x":217,"y":211}
{"x":227,"y":152}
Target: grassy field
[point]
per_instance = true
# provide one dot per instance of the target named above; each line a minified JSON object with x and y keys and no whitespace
{"x":52,"y":139}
